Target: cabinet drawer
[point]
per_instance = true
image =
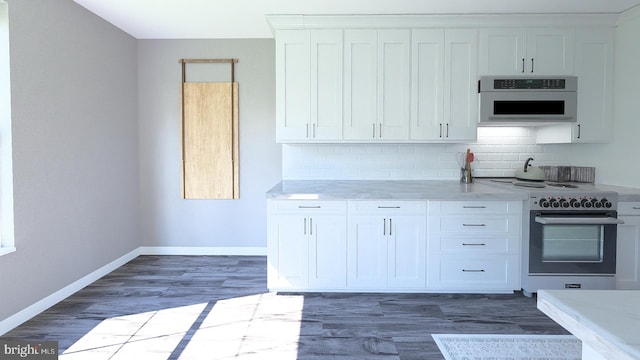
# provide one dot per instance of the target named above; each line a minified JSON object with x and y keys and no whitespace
{"x":472,"y":207}
{"x":307,"y":207}
{"x":485,"y":272}
{"x":387,"y":207}
{"x":476,"y":244}
{"x":474,"y":224}
{"x":629,"y":208}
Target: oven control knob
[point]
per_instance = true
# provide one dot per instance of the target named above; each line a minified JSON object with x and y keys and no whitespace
{"x":574,"y":203}
{"x":544,"y":203}
{"x":564,"y":203}
{"x":606,"y":203}
{"x":585,"y":203}
{"x":596,"y":204}
{"x":554,"y":203}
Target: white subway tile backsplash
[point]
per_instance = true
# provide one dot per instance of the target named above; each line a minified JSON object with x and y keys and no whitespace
{"x":498,"y":152}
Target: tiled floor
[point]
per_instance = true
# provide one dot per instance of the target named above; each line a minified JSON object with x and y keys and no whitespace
{"x":218,"y":307}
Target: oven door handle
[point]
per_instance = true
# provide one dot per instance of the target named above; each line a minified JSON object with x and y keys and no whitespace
{"x":578,"y":220}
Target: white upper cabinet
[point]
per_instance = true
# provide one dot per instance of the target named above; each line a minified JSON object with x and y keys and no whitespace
{"x":444,"y":104}
{"x":427,"y":84}
{"x":415,"y":79}
{"x":594,"y":69}
{"x":326,"y":84}
{"x":292,"y":85}
{"x":377,"y":75}
{"x":526,"y":51}
{"x":309,"y":85}
{"x":460,"y":84}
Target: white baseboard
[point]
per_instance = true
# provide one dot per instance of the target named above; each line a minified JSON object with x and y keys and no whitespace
{"x":188,"y":250}
{"x":20,"y":317}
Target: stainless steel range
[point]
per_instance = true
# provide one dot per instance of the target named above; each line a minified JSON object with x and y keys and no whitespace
{"x":569,"y":236}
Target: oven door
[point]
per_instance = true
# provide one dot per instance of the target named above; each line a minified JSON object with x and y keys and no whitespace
{"x":573,"y":242}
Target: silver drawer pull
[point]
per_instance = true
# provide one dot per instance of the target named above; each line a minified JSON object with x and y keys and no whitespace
{"x":465,"y":270}
{"x":481,"y":244}
{"x":474,"y":225}
{"x":636,"y":208}
{"x":388,"y":207}
{"x":473,"y":207}
{"x":309,"y":207}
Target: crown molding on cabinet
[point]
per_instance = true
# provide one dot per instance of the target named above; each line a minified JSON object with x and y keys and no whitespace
{"x":299,"y":22}
{"x":628,"y":15}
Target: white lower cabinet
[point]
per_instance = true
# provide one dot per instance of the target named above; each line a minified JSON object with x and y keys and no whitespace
{"x":474,"y":246}
{"x":306,"y":245}
{"x":386,"y":245}
{"x":628,"y":246}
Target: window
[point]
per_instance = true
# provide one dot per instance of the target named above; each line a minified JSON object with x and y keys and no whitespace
{"x":7,"y":244}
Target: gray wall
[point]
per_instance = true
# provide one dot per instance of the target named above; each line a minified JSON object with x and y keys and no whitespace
{"x":75,"y":138}
{"x":167,"y":219}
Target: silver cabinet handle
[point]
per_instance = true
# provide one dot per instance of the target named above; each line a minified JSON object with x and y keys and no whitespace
{"x":390,"y":227}
{"x":579,"y":131}
{"x":310,"y":226}
{"x":305,"y":226}
{"x":309,"y":207}
{"x":384,"y":226}
{"x":465,"y":270}
{"x":481,"y":244}
{"x":440,"y":130}
{"x":373,"y":133}
{"x":474,"y":225}
{"x":307,"y":130}
{"x":523,"y":65}
{"x":473,"y":207}
{"x":447,"y":127}
{"x":380,"y":132}
{"x":531,"y":65}
{"x":314,"y":131}
{"x":636,"y":208}
{"x":388,"y":207}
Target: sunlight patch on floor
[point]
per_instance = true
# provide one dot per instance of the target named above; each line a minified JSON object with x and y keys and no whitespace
{"x":256,"y":326}
{"x":260,"y":326}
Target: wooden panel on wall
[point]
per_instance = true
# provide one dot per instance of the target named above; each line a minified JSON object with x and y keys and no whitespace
{"x":210,"y":140}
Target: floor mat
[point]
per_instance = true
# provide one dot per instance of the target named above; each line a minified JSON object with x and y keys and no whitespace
{"x":513,"y":347}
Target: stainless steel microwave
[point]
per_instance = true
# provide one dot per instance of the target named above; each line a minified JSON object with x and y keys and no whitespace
{"x":527,"y":100}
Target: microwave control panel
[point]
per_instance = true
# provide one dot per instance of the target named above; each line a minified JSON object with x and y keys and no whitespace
{"x":529,"y":84}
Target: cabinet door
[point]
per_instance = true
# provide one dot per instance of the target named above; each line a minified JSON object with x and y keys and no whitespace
{"x":393,"y":84}
{"x":327,"y":252}
{"x":628,"y":253}
{"x":360,"y":75}
{"x":502,"y":51}
{"x":460,"y":85}
{"x":326,"y":85}
{"x":427,"y":55}
{"x":594,"y":68}
{"x":519,"y":51}
{"x":367,"y":252}
{"x":550,"y":51}
{"x":406,"y":251}
{"x":292,"y":85}
{"x":288,"y":252}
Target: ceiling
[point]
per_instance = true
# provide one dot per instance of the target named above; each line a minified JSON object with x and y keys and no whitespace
{"x":212,"y":19}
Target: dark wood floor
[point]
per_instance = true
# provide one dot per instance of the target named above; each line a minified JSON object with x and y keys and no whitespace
{"x":218,"y":307}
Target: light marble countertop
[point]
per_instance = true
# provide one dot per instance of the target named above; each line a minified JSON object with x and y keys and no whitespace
{"x":607,"y":321}
{"x":388,"y":189}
